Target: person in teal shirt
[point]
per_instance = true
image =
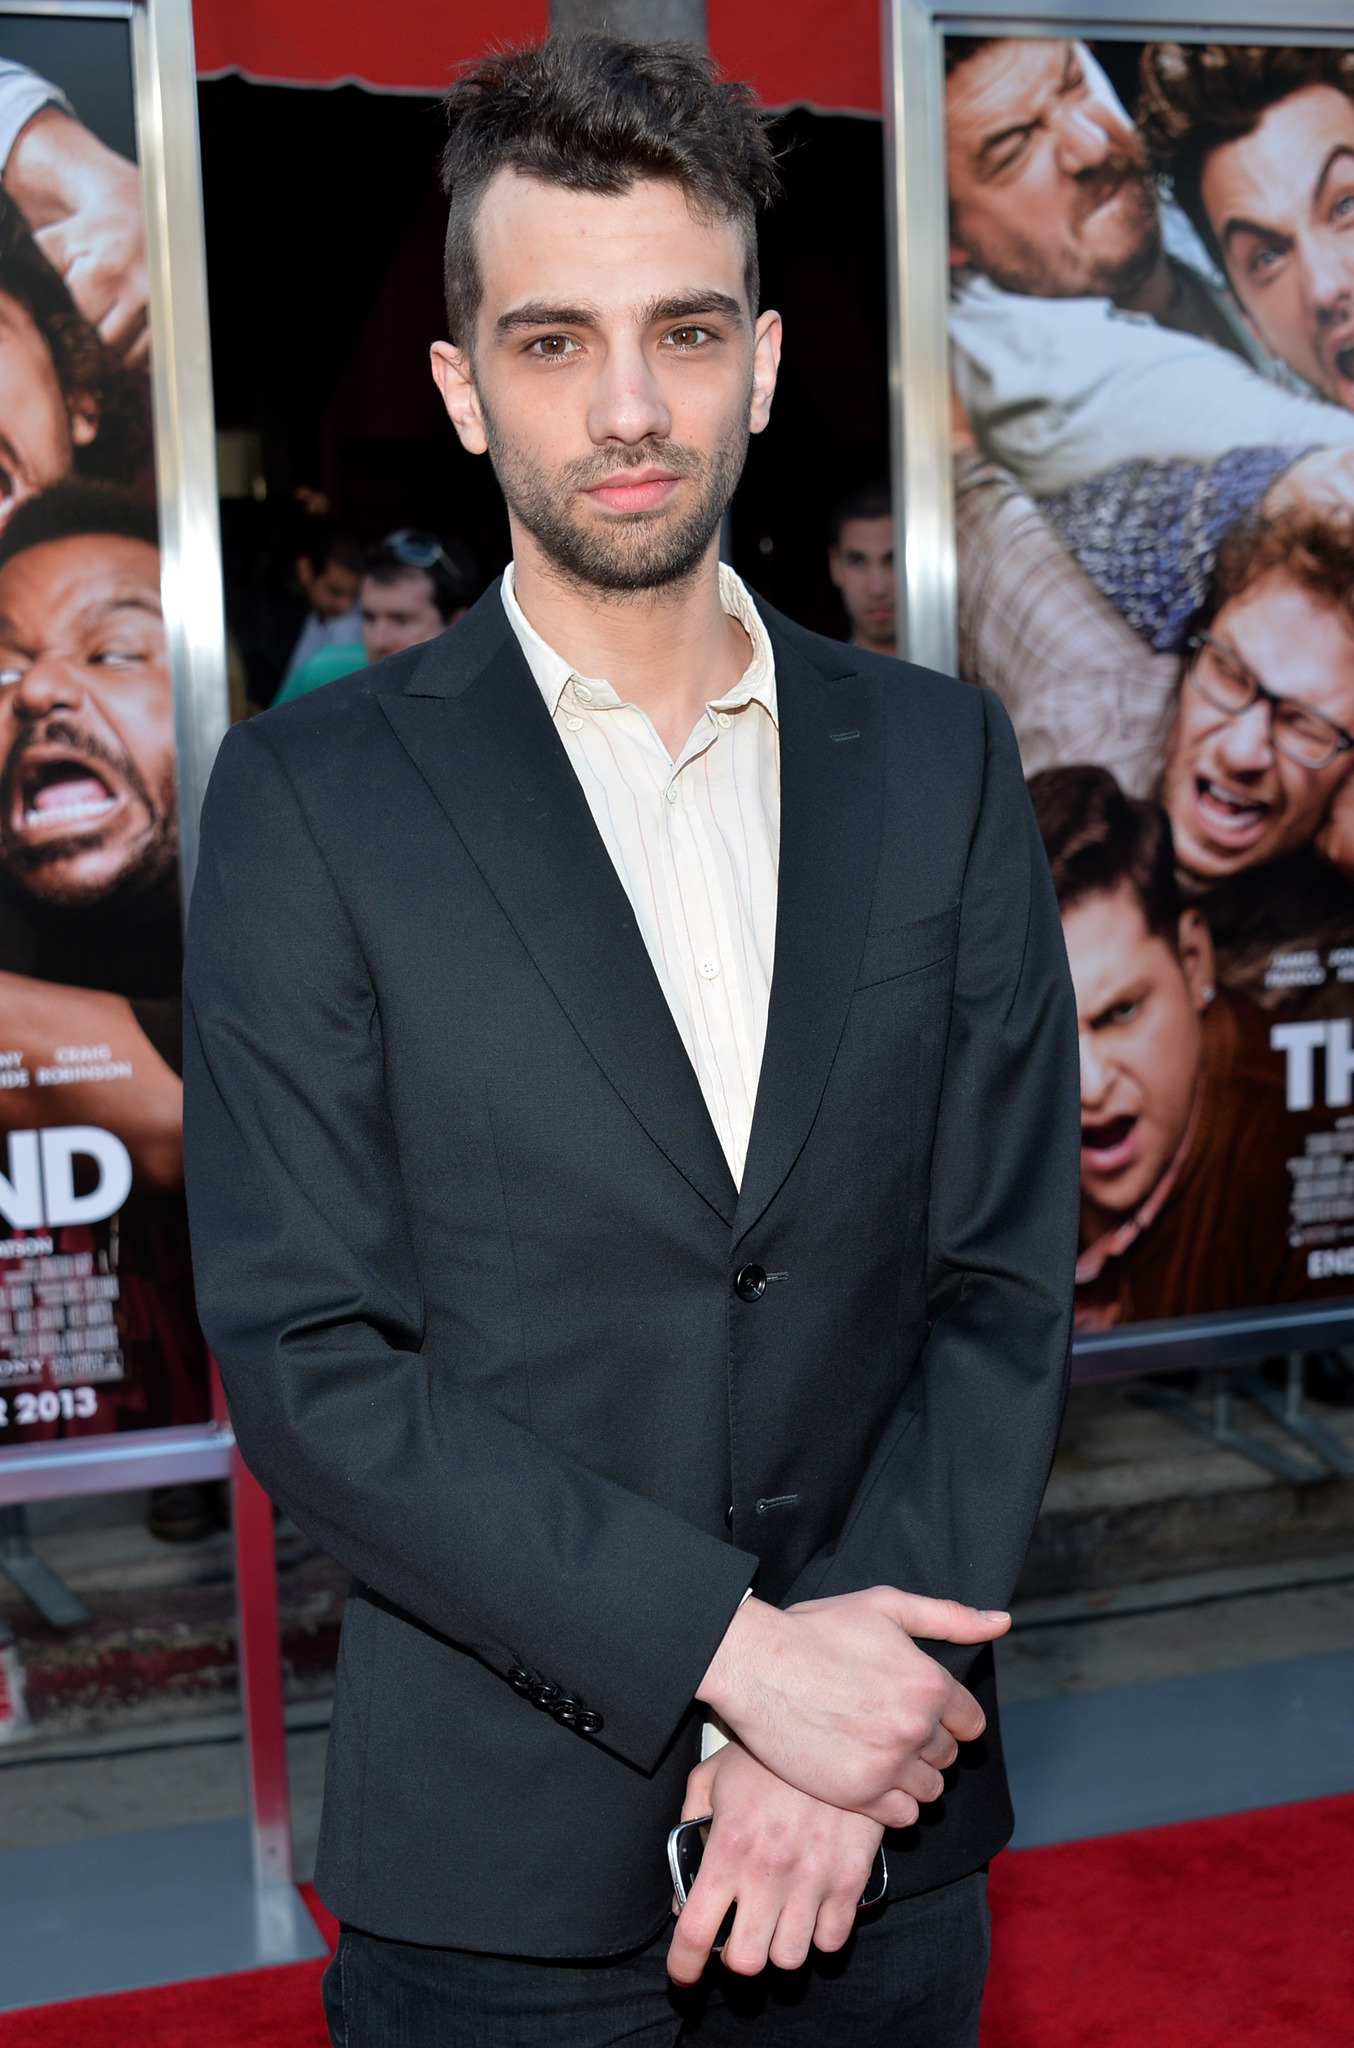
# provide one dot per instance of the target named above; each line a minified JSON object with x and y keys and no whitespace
{"x":413,"y":587}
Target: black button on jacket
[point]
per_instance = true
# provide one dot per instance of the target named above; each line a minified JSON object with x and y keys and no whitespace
{"x":464,"y":1239}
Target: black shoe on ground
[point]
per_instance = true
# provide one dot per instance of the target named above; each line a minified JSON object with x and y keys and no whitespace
{"x":185,"y":1514}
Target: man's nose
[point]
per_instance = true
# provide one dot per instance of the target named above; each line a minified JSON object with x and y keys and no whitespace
{"x":44,"y":687}
{"x":1246,"y":743}
{"x":627,"y":404}
{"x":1327,"y":272}
{"x":1095,"y":1073}
{"x":1082,"y":142}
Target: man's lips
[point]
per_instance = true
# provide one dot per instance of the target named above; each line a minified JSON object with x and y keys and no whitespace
{"x":1109,"y":1146}
{"x":640,"y":490}
{"x":58,"y":794}
{"x":1229,"y":817}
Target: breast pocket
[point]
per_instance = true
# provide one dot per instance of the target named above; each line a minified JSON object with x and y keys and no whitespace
{"x":895,"y":950}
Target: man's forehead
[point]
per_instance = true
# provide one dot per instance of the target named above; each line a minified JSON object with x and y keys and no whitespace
{"x":546,"y":241}
{"x":1005,"y":82}
{"x":85,"y":574}
{"x":1299,"y":640}
{"x":1281,"y":159}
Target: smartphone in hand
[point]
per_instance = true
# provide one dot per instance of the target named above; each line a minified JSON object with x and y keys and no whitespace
{"x":686,"y":1846}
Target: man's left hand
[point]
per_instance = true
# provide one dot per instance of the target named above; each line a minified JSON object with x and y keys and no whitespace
{"x":796,"y":1866}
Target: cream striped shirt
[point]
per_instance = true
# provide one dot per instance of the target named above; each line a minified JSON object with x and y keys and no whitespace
{"x":696,"y":843}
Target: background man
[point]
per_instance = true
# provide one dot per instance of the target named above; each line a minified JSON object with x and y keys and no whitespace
{"x":522,"y":1309}
{"x":327,"y":566}
{"x":1257,"y":145}
{"x":860,"y":563}
{"x":1184,"y":1134}
{"x":414,"y":585}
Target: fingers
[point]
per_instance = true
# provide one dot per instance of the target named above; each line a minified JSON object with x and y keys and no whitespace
{"x":940,"y":1621}
{"x":941,"y":1750}
{"x":961,"y":1714}
{"x":697,"y":1928}
{"x":892,"y":1810}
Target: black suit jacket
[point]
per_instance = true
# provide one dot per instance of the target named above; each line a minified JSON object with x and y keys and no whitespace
{"x":466,"y":1245}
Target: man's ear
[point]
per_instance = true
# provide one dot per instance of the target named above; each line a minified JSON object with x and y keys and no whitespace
{"x":766,"y":340}
{"x":454,"y":376}
{"x":1195,"y":944}
{"x":959,"y":255}
{"x":82,"y":409}
{"x":834,"y":565}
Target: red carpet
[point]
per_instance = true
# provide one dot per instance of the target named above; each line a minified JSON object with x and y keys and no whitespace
{"x":1231,"y":1933}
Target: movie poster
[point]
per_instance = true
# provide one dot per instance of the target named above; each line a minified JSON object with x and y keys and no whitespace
{"x":97,"y":1323}
{"x":1152,"y":327}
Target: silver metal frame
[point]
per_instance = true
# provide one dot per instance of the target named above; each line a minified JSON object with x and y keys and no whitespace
{"x":923,"y":488}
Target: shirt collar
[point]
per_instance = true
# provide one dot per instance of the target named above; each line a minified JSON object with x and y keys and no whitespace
{"x":553,"y":674}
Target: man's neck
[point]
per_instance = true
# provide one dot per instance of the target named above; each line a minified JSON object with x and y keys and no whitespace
{"x":859,"y":639}
{"x":668,"y":651}
{"x":1156,"y":293}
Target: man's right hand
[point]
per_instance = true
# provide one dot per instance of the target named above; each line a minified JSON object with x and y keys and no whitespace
{"x":835,"y":1697}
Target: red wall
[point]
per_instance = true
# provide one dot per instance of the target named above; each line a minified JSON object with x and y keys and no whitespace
{"x":822,"y":52}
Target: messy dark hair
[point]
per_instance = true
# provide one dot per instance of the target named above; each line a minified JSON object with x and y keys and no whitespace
{"x":1315,"y":548}
{"x":958,"y":50}
{"x":1198,"y":96}
{"x":83,"y":363}
{"x":867,"y":501}
{"x":596,"y":113}
{"x":1096,"y":839}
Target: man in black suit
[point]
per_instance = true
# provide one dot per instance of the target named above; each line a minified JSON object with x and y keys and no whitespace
{"x":632,"y":1133}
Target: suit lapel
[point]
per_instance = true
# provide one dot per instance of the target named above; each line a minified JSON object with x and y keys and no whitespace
{"x":831,"y":768}
{"x":474,"y":724}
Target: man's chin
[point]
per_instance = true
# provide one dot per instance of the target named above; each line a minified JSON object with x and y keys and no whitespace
{"x":80,"y":878}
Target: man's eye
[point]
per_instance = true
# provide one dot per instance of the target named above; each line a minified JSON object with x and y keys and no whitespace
{"x":1123,"y":1013}
{"x":115,"y":657}
{"x":1264,"y":259}
{"x":688,"y":337}
{"x":552,"y":346}
{"x":1343,"y":207}
{"x":10,"y":673}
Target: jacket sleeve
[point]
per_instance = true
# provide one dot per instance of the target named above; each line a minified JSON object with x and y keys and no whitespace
{"x":948,"y":1502}
{"x":310,"y":1298}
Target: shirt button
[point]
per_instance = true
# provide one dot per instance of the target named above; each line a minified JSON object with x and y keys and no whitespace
{"x":583,"y":693}
{"x":574,"y":724}
{"x":710,"y":969}
{"x":725,"y":720}
{"x":671,"y":792}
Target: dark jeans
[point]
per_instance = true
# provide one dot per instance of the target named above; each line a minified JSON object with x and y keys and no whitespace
{"x":911,"y":1976}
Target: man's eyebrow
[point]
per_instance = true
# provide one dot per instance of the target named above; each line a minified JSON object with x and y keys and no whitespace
{"x":1240,"y":226}
{"x":691,"y":307}
{"x":541,"y":313}
{"x":1340,"y":149}
{"x":685,"y":306}
{"x":95,"y":614}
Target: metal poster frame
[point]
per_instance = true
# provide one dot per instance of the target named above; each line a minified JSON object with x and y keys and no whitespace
{"x":165,"y":94}
{"x":913,"y":32}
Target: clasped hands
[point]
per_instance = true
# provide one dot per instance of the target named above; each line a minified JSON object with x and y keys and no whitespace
{"x":842,"y":1728}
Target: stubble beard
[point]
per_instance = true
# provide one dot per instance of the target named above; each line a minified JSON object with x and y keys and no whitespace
{"x":630,"y":552}
{"x":1027,"y":269}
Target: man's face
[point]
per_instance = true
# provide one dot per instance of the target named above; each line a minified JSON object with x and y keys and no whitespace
{"x":1138,"y":1010}
{"x":861,"y":566}
{"x":1235,"y":801}
{"x":1281,"y":203}
{"x":87,"y":790}
{"x":330,"y":591}
{"x":398,"y":613}
{"x":1049,"y":189}
{"x":38,"y":434}
{"x":615,"y":376}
